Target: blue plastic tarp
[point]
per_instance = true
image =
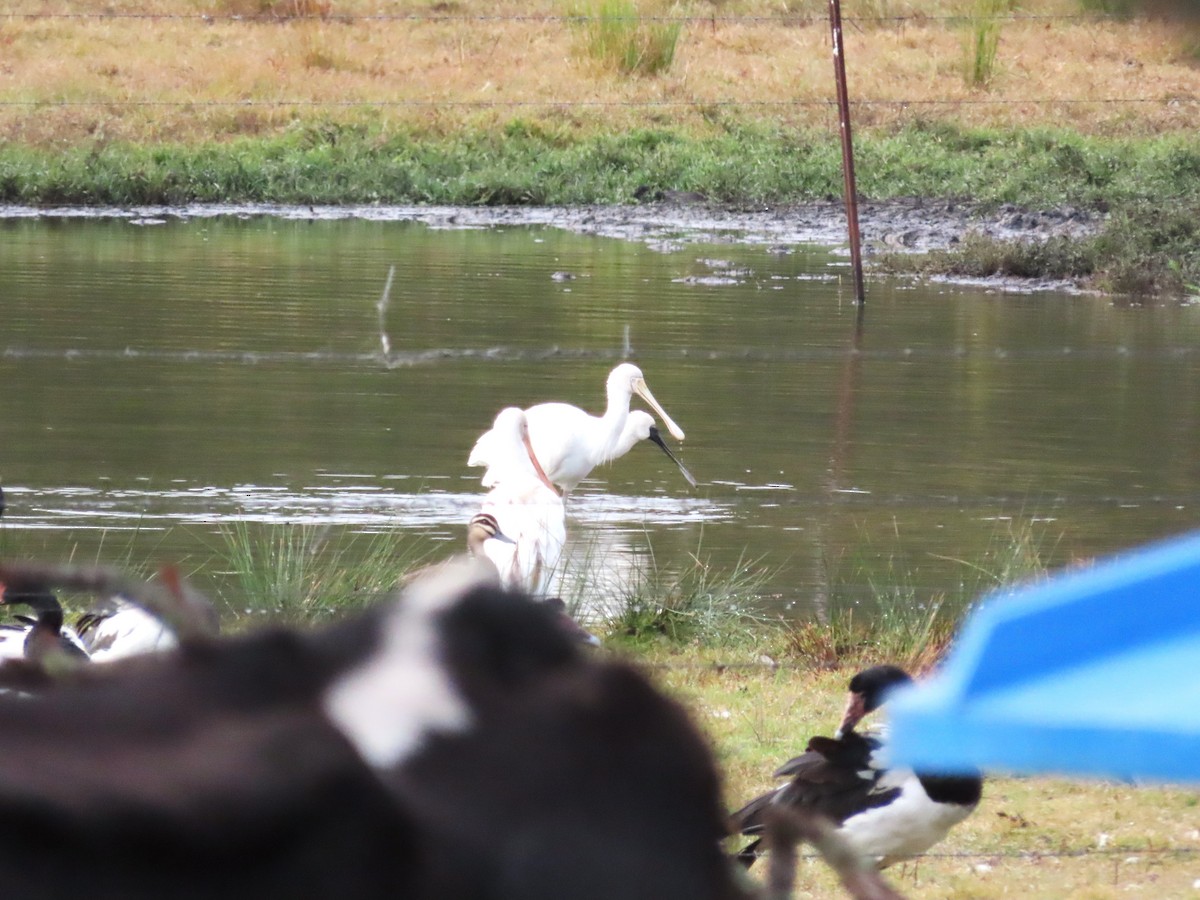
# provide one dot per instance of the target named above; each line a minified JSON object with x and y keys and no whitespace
{"x":1095,"y":671}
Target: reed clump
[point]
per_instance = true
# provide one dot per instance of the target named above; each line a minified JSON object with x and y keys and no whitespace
{"x":692,"y":604}
{"x":615,"y":34}
{"x":299,"y":573}
{"x":983,"y":41}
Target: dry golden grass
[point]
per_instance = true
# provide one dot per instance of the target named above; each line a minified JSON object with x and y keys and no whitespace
{"x":209,"y":75}
{"x":1128,"y":841}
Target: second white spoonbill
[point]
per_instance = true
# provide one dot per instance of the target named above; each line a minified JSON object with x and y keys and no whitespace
{"x":640,"y":427}
{"x":568,"y":442}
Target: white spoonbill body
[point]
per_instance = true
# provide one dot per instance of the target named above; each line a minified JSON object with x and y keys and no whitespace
{"x":568,"y":442}
{"x":526,"y":508}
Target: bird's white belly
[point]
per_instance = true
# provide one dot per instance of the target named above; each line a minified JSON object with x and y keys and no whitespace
{"x":906,"y":827}
{"x":12,"y":644}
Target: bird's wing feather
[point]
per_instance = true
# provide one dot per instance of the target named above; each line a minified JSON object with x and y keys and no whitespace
{"x":833,"y":777}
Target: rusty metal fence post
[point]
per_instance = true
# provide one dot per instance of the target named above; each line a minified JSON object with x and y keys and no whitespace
{"x":843,"y":98}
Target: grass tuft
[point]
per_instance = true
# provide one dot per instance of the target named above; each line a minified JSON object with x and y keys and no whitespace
{"x":900,"y":622}
{"x":1123,"y":9}
{"x":983,"y":42}
{"x":299,"y":574}
{"x":615,"y":35}
{"x":694,"y":604}
{"x":276,"y":9}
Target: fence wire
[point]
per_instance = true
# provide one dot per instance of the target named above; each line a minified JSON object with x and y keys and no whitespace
{"x":695,"y":103}
{"x":568,"y":18}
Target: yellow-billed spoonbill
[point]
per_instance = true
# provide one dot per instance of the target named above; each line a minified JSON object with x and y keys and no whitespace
{"x":568,"y":442}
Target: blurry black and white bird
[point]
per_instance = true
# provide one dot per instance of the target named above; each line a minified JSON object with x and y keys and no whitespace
{"x":116,"y":629}
{"x":887,"y":814}
{"x":42,"y":636}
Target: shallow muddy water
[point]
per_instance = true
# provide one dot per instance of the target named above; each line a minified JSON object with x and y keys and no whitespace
{"x":163,"y":376}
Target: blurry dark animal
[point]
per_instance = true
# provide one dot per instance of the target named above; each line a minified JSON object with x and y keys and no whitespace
{"x":886,"y":814}
{"x":452,"y":744}
{"x":570,"y":626}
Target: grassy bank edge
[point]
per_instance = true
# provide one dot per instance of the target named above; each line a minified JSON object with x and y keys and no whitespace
{"x":1149,"y":185}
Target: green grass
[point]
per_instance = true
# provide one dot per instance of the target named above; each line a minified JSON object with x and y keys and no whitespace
{"x":616,"y":35}
{"x":896,"y":619}
{"x":693,"y":604}
{"x":1120,"y":8}
{"x":536,"y":163}
{"x":297,"y":574}
{"x":983,"y":42}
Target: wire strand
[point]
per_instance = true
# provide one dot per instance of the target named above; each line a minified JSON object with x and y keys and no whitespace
{"x":600,"y":104}
{"x":551,"y":18}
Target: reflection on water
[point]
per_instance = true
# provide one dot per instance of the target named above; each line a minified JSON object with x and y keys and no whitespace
{"x":159,"y":382}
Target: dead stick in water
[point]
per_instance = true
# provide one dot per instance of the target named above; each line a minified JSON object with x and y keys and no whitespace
{"x":382,"y":306}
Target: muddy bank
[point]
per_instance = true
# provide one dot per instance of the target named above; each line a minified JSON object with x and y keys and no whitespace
{"x":904,"y":226}
{"x":913,"y":225}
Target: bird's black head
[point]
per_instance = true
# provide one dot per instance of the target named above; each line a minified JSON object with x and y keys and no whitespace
{"x":874,"y":683}
{"x":36,"y":597}
{"x":868,"y":691}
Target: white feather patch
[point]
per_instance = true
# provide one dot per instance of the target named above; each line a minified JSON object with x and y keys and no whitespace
{"x":401,"y":693}
{"x":905,"y":827}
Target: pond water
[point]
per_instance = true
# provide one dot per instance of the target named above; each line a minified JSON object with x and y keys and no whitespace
{"x":161,"y":379}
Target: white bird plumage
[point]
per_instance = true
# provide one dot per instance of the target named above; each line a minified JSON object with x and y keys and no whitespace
{"x":568,"y":442}
{"x":122,"y":630}
{"x":526,"y":507}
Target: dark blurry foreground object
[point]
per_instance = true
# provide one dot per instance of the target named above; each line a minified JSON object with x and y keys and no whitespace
{"x":452,"y":743}
{"x":883,"y":813}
